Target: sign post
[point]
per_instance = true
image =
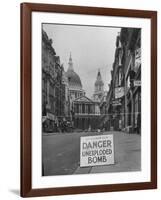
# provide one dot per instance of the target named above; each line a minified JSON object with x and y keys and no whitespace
{"x":96,"y":150}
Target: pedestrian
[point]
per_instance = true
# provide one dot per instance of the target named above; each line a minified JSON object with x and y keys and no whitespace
{"x":103,"y":126}
{"x":89,"y":128}
{"x":55,"y":126}
{"x":59,"y":126}
{"x":120,"y":124}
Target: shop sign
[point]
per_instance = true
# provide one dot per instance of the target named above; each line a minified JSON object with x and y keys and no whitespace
{"x":96,"y":150}
{"x":137,"y":83}
{"x":44,"y":118}
{"x":116,"y":102}
{"x":50,"y":116}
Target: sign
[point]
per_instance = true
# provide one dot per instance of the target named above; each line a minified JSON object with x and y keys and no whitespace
{"x":44,"y":118}
{"x":116,"y":102}
{"x":50,"y":116}
{"x":119,"y":92}
{"x":137,"y":83}
{"x":96,"y":150}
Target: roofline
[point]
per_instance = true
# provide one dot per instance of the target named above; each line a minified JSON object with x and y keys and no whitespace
{"x":85,"y":97}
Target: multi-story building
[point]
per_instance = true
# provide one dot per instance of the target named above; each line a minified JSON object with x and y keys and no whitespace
{"x":53,"y":94}
{"x":67,"y":96}
{"x":131,"y":43}
{"x":124,"y":99}
{"x":115,"y":97}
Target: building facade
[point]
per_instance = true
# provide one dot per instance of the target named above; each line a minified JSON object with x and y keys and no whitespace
{"x":67,"y":96}
{"x":131,"y":43}
{"x":86,"y":114}
{"x":53,"y":90}
{"x":124,"y":96}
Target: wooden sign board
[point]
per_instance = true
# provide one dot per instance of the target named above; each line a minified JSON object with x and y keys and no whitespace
{"x":96,"y":150}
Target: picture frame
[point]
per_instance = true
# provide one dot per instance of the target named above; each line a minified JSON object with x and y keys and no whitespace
{"x":27,"y":146}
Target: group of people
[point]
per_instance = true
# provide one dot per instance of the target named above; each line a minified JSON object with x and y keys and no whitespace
{"x":57,"y":126}
{"x":63,"y":126}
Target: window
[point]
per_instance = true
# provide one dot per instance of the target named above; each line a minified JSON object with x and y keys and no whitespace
{"x":83,"y":108}
{"x":137,"y":58}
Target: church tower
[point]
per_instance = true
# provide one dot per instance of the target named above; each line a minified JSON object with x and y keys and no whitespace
{"x":70,"y":63}
{"x":98,"y":87}
{"x":74,"y":81}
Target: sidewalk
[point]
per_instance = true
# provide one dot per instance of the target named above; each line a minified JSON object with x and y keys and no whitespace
{"x":127,"y":152}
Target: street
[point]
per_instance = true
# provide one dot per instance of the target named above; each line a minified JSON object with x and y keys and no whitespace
{"x":61,"y":153}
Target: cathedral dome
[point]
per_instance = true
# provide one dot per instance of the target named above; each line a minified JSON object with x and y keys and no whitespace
{"x":73,"y":79}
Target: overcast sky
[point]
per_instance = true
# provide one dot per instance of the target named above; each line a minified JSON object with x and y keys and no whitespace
{"x":92,"y":48}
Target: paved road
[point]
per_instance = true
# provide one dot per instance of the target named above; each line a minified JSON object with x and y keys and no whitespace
{"x":61,"y":154}
{"x":127,"y":148}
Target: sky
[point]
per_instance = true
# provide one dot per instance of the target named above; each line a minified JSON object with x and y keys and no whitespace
{"x":92,"y":48}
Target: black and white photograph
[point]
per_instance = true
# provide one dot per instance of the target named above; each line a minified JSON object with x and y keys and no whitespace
{"x":91,"y":99}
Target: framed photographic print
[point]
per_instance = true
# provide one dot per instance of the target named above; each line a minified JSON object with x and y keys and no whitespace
{"x":88,"y":99}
